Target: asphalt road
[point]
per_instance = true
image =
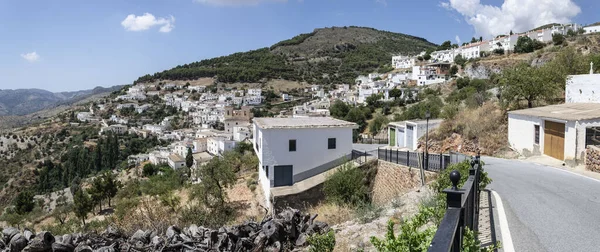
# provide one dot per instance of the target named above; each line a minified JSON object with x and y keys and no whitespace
{"x":547,"y":209}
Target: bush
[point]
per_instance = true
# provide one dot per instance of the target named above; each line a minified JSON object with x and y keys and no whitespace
{"x":499,"y":51}
{"x":346,"y":186}
{"x":558,"y":39}
{"x":322,"y":242}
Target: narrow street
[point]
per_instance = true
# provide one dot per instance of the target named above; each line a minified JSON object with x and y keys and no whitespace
{"x":547,"y":209}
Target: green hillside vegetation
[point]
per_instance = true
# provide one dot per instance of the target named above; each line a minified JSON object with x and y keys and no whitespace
{"x":324,"y":56}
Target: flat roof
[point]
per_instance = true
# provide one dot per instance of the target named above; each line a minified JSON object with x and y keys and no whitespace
{"x":176,"y":158}
{"x":567,"y":111}
{"x":302,"y":122}
{"x":418,"y":122}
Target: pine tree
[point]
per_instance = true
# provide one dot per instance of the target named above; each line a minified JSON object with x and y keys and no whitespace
{"x":189,"y":159}
{"x":98,"y":156}
{"x":82,"y":205}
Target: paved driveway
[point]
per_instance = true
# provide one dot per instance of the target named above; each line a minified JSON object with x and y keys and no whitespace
{"x":366,"y":147}
{"x":547,"y":209}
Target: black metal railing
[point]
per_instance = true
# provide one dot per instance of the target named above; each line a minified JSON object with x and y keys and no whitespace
{"x":462,"y":211}
{"x":436,"y":163}
{"x":362,"y":157}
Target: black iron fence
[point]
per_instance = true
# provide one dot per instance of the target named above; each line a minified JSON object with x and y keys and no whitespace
{"x":372,"y":141}
{"x":462,"y":211}
{"x":436,"y":162}
{"x":362,"y":157}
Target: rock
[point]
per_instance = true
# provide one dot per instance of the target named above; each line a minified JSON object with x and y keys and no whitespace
{"x":83,"y":248}
{"x":301,"y":241}
{"x":172,"y":231}
{"x":17,"y":243}
{"x":67,"y":239}
{"x":271,"y":230}
{"x":8,"y":233}
{"x":42,"y":242}
{"x":28,"y":235}
{"x":139,"y":236}
{"x":62,"y":247}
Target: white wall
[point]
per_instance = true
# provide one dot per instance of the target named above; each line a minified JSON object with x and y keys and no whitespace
{"x":580,"y":136}
{"x":311,"y":147}
{"x":583,"y":88}
{"x":521,"y":132}
{"x":592,"y":29}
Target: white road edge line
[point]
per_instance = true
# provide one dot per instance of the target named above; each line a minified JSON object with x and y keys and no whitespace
{"x":507,"y":244}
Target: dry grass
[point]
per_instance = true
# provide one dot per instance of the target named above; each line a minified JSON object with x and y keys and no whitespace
{"x":332,"y":214}
{"x":484,"y":128}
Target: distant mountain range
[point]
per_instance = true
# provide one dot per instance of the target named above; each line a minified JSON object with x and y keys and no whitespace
{"x":330,"y":55}
{"x":27,"y":101}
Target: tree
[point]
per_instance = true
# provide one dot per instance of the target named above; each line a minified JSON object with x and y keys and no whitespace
{"x":474,"y":40}
{"x":376,"y":124}
{"x":395,"y":93}
{"x":63,"y":208}
{"x":511,"y":33}
{"x":420,"y":58}
{"x":82,"y":205}
{"x":571,"y":33}
{"x":111,"y":186}
{"x":524,"y":82}
{"x":524,"y":45}
{"x":499,"y":51}
{"x":149,"y":170}
{"x":24,"y":202}
{"x":460,"y":60}
{"x":189,"y":159}
{"x":96,"y":192}
{"x":453,"y":70}
{"x":427,"y":57}
{"x":374,"y":100}
{"x":558,"y":39}
{"x":445,"y":46}
{"x":216,"y":176}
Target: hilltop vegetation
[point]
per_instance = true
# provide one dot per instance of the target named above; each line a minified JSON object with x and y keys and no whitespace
{"x":324,"y":56}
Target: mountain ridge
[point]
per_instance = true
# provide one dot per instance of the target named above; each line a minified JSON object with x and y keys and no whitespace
{"x":31,"y":100}
{"x":328,"y":55}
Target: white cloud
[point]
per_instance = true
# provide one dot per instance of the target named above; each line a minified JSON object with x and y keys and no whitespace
{"x":515,"y":15}
{"x":445,"y":5}
{"x":31,"y":57}
{"x":382,"y":2}
{"x":457,"y":39}
{"x":147,"y":21}
{"x":236,"y":2}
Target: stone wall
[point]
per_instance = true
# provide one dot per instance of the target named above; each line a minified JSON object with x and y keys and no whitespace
{"x":592,"y":158}
{"x":394,"y":180}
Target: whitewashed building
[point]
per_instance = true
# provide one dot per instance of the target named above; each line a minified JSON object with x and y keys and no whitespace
{"x":593,"y":28}
{"x":291,"y":150}
{"x":474,"y":50}
{"x":403,"y":61}
{"x":560,"y":131}
{"x":241,"y":133}
{"x":406,"y":134}
{"x":218,"y":145}
{"x":176,"y":161}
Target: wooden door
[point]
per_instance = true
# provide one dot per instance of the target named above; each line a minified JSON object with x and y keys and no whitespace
{"x":554,"y":140}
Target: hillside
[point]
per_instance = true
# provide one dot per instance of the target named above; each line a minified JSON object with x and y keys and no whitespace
{"x":326,"y":55}
{"x":27,"y":101}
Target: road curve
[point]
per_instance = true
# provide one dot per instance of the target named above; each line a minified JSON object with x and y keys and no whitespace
{"x":547,"y":209}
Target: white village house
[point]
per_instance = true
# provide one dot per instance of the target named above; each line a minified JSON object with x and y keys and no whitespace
{"x":406,"y":134}
{"x":291,"y":150}
{"x":560,"y":131}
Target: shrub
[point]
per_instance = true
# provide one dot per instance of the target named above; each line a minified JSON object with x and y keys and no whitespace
{"x":322,"y":242}
{"x":499,"y":51}
{"x":149,"y":170}
{"x":558,"y":39}
{"x":346,"y":186}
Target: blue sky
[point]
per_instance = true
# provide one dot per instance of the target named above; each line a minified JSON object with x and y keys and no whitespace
{"x":79,"y":44}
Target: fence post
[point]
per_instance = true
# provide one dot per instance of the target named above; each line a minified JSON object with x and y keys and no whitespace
{"x":397,"y":160}
{"x":385,"y":154}
{"x":408,"y":158}
{"x":454,"y":200}
{"x":365,"y":156}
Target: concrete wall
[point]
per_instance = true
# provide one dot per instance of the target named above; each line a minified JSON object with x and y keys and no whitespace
{"x":521,"y":134}
{"x":580,"y":136}
{"x":311,"y":153}
{"x":583,"y":89}
{"x":394,"y":180}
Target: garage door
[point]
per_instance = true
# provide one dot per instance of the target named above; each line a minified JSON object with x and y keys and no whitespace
{"x":392,"y":137}
{"x":554,"y":140}
{"x":409,"y":136}
{"x":283,"y":175}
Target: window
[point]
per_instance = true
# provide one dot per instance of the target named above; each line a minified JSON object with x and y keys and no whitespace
{"x":331,"y":143}
{"x":537,"y":134}
{"x":292,"y":145}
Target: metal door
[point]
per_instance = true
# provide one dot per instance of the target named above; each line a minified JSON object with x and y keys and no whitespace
{"x":409,"y":137}
{"x":283,"y":175}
